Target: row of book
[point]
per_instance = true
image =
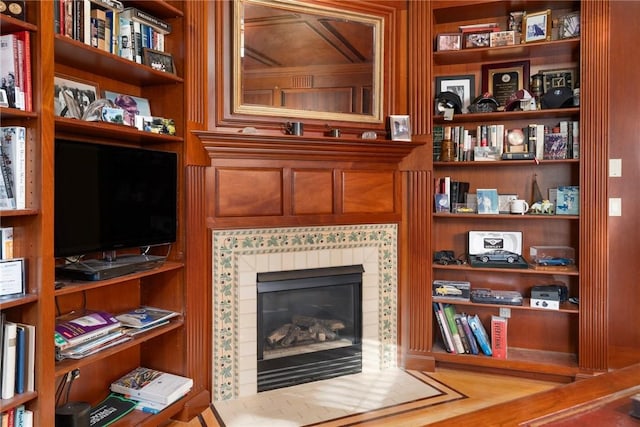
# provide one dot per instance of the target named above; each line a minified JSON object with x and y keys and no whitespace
{"x":18,"y":357}
{"x":108,"y":25}
{"x":495,"y":142}
{"x":463,"y":333}
{"x":13,"y":163}
{"x":15,"y":71}
{"x":79,"y":336}
{"x":19,"y":416}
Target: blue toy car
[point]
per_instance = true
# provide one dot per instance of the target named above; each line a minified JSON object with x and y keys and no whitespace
{"x":554,"y":261}
{"x":499,"y":256}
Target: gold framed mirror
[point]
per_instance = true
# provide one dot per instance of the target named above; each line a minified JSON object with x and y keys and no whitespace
{"x":306,"y":60}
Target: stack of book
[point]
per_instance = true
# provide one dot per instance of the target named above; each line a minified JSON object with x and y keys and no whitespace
{"x":144,"y":319}
{"x":17,"y":345}
{"x":464,"y":333}
{"x":154,"y":390}
{"x":15,"y":71}
{"x":81,"y":336}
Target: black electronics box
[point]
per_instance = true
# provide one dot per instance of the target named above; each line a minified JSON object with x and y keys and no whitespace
{"x":550,"y":292}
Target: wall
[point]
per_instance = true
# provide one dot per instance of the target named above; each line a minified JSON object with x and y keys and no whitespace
{"x":624,"y":143}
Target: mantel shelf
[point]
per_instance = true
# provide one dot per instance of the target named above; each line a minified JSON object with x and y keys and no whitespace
{"x":225,"y":145}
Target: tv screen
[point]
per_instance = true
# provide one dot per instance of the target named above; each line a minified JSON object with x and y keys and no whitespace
{"x":112,"y":197}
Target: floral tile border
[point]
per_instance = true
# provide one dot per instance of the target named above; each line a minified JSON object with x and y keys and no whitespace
{"x":228,"y":245}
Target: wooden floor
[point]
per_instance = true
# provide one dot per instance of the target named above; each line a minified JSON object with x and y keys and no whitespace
{"x":482,"y":390}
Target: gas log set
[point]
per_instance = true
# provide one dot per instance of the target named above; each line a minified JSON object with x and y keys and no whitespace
{"x":305,"y":330}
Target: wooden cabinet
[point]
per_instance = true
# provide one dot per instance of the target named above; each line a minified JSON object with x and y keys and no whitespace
{"x":164,"y":348}
{"x":541,"y":342}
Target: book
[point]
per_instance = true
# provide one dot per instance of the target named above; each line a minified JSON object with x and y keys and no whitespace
{"x":449,"y":313}
{"x":110,"y":410}
{"x":480,"y":334}
{"x":444,"y":328}
{"x":93,"y":346}
{"x":125,"y":35}
{"x":153,"y":407}
{"x":473,"y":344}
{"x":29,"y":355}
{"x":9,"y":68}
{"x":9,"y":359}
{"x":13,"y":163}
{"x":463,"y":336}
{"x":499,"y":337}
{"x":84,"y":328}
{"x":137,"y":15}
{"x":18,"y":417}
{"x":98,"y":24}
{"x":6,"y":242}
{"x":518,"y":156}
{"x":28,"y":418}
{"x":152,"y":385}
{"x":555,"y":146}
{"x":145,"y":317}
{"x":20,"y":360}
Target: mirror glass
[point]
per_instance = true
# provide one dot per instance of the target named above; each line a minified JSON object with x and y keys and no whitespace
{"x":303,"y":60}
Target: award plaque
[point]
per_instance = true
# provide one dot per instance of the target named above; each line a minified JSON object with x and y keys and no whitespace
{"x":503,"y":80}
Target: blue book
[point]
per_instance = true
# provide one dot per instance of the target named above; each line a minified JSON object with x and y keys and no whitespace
{"x":20,"y":358}
{"x":480,"y":333}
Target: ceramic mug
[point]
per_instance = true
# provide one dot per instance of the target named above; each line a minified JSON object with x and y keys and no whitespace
{"x":294,"y":128}
{"x":518,"y":206}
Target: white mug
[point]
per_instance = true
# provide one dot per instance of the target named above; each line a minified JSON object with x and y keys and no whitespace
{"x":518,"y":206}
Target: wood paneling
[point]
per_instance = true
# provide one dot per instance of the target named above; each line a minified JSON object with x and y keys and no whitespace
{"x":368,"y":192}
{"x":312,"y":191}
{"x":248,"y":192}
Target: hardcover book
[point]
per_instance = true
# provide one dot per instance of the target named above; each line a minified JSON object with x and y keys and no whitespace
{"x":499,"y":337}
{"x":13,"y":164}
{"x":480,"y":334}
{"x":444,"y":328}
{"x":152,"y":385}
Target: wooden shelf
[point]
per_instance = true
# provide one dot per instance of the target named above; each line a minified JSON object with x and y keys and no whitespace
{"x":81,"y":56}
{"x":110,"y":131}
{"x":17,"y":300}
{"x":503,"y":217}
{"x":509,"y":115}
{"x":530,"y":270}
{"x":9,"y":24}
{"x":18,"y":399}
{"x":67,"y":365}
{"x":14,"y":113}
{"x":565,"y":307}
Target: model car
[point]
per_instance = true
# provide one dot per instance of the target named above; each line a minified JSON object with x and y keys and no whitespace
{"x":554,"y":261}
{"x":445,"y":258}
{"x":445,"y":290}
{"x":499,"y":256}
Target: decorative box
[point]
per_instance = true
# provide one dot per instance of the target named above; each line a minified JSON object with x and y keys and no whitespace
{"x":486,"y":241}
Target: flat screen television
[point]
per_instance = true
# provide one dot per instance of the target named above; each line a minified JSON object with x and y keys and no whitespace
{"x":112,"y":197}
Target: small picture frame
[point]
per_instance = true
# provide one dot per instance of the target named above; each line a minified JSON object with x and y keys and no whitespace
{"x":4,"y":101}
{"x":448,"y":41}
{"x":569,"y":26}
{"x":400,"y":126}
{"x":502,"y":38}
{"x":159,"y":61}
{"x":536,"y":26}
{"x":72,"y":96}
{"x":477,"y":39}
{"x":504,"y":201}
{"x":487,"y":201}
{"x":463,"y":86}
{"x":552,"y":79}
{"x":12,"y":277}
{"x":131,"y":105}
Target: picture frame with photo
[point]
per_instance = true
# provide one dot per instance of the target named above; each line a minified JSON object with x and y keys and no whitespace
{"x":400,"y":126}
{"x":132,"y":105}
{"x":448,"y":41}
{"x":159,"y":61}
{"x":488,"y":202}
{"x":558,"y":78}
{"x":504,"y":202}
{"x":72,"y":96}
{"x":462,"y":85}
{"x":477,"y":39}
{"x":569,"y":26}
{"x":536,"y":26}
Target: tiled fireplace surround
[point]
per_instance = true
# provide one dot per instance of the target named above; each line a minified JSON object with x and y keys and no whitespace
{"x":238,"y":255}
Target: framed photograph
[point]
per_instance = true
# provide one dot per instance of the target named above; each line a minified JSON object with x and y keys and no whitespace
{"x":502,"y":38}
{"x":400,"y":128}
{"x":504,"y":201}
{"x":558,"y":78}
{"x":569,"y":26}
{"x":477,"y":39}
{"x":504,"y":79}
{"x":4,"y":101}
{"x":463,"y":86}
{"x":72,"y":96}
{"x":536,"y":26}
{"x":132,"y":105}
{"x":487,"y":201}
{"x":448,"y":41}
{"x":159,"y":61}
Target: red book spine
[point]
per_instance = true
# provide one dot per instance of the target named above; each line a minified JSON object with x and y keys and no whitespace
{"x":499,"y":337}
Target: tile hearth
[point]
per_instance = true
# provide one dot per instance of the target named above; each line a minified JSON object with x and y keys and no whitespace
{"x":238,"y":255}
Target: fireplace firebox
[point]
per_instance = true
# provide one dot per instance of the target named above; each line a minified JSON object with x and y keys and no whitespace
{"x":309,"y":325}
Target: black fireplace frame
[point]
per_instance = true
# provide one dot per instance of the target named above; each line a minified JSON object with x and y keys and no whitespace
{"x":314,"y":366}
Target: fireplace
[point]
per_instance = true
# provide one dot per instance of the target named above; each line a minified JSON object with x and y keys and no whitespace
{"x":309,"y":325}
{"x":238,"y":256}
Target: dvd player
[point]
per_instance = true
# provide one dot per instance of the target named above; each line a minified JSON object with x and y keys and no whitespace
{"x":97,"y":269}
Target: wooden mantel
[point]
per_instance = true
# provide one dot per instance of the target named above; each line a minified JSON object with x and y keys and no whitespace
{"x":285,"y":147}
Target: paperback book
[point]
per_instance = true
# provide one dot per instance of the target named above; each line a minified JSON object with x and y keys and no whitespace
{"x":145,"y":317}
{"x":74,"y":331}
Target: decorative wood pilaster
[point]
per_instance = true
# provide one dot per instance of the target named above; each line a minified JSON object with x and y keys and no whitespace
{"x":420,"y":77}
{"x":594,"y":149}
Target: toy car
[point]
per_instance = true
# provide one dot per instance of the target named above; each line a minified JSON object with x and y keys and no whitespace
{"x":445,"y":290}
{"x":499,"y":256}
{"x":445,"y":258}
{"x":554,"y":261}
